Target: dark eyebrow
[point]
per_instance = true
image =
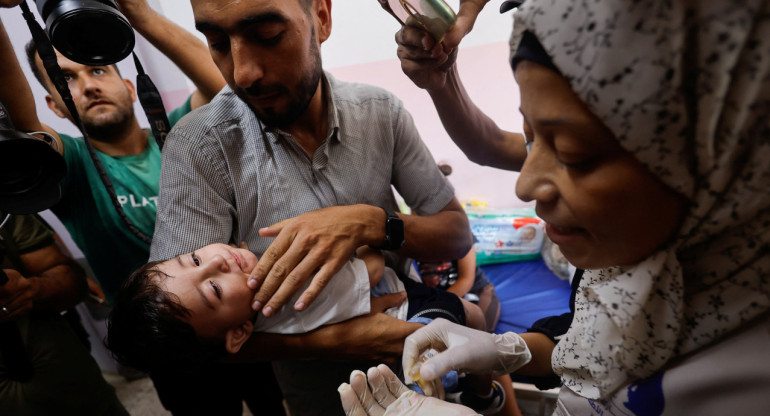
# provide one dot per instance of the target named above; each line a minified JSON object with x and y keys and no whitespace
{"x":551,"y":122}
{"x":267,"y":17}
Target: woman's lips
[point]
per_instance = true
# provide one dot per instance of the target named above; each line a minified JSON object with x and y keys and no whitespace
{"x":563,"y":235}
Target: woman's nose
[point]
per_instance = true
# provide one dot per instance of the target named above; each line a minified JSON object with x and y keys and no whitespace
{"x":536,"y":179}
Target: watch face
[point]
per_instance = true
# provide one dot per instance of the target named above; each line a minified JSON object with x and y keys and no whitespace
{"x":394,"y":231}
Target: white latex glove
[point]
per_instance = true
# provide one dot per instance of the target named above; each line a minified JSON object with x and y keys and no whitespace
{"x":386,"y":395}
{"x":463,"y":349}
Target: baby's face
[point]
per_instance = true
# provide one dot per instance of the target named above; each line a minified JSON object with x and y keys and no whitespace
{"x":211,"y":283}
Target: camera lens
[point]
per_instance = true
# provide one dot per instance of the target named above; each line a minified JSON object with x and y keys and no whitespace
{"x":90,"y":32}
{"x":30,"y":173}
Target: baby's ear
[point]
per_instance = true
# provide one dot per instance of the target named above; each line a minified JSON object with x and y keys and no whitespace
{"x":237,"y":336}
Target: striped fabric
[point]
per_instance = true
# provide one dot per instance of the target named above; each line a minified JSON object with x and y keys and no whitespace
{"x":225,"y":175}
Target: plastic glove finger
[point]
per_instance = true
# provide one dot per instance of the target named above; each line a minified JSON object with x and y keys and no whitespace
{"x":395,"y":386}
{"x":350,"y":402}
{"x":455,"y":358}
{"x":425,"y":338}
{"x":359,"y":384}
{"x":379,"y":388}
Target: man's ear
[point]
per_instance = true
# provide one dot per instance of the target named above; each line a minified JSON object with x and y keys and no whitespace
{"x":237,"y":336}
{"x":55,"y":108}
{"x":131,"y":88}
{"x":323,"y":15}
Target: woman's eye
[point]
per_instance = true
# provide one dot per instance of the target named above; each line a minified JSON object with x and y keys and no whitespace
{"x":195,"y":259}
{"x":216,"y":288}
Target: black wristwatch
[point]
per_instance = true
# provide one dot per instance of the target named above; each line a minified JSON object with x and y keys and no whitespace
{"x":394,"y":231}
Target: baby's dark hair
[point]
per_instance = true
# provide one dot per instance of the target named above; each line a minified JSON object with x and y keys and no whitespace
{"x":148,"y":328}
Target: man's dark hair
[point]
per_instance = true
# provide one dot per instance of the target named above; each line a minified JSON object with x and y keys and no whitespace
{"x":31,"y":50}
{"x":148,"y":328}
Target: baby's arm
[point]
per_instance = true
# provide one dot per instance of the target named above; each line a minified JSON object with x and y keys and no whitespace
{"x":375,"y":263}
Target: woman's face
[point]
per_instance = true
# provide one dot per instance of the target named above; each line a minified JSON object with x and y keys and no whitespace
{"x":600,"y":205}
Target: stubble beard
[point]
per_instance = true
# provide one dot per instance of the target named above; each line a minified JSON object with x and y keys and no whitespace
{"x":300,"y":100}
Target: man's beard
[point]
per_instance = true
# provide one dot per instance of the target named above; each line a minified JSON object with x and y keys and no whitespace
{"x":110,"y":127}
{"x":299,"y":101}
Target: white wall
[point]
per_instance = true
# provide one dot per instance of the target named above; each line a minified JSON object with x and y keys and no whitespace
{"x":361,"y":48}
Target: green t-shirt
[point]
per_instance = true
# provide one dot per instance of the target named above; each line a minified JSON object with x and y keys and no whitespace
{"x":86,"y":210}
{"x":28,"y":233}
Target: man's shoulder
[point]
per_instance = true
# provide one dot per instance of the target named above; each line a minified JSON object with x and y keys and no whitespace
{"x":356,"y":93}
{"x":224,"y":107}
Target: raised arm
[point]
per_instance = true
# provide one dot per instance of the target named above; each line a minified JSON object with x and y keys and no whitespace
{"x":478,"y":136}
{"x":18,"y":100}
{"x":182,"y":47}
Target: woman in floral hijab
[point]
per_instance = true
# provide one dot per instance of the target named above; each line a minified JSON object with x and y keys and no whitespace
{"x":648,"y":124}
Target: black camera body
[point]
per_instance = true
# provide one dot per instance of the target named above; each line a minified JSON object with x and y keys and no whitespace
{"x":90,"y":32}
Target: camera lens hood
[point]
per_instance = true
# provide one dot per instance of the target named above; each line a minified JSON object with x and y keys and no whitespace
{"x":30,"y":173}
{"x":89,"y":32}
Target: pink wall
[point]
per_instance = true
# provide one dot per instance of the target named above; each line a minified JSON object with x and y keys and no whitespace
{"x":489,"y":82}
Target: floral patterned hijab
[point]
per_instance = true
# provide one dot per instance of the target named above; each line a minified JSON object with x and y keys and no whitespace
{"x":685,"y":87}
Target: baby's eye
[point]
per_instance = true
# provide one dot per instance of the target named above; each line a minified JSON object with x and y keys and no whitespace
{"x":216,"y":288}
{"x":195,"y":259}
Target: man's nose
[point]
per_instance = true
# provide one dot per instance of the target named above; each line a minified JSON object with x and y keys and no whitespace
{"x":89,"y":85}
{"x":247,"y":66}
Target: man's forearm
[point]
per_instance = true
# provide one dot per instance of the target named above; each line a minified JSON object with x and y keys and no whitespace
{"x":60,"y":283}
{"x":370,"y":338}
{"x":477,"y":135}
{"x":442,"y":236}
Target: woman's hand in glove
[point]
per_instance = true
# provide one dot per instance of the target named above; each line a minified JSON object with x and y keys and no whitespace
{"x":462,"y":349}
{"x":386,"y":395}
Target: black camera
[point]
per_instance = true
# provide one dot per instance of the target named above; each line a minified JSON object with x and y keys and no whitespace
{"x":30,"y":171}
{"x":90,"y":32}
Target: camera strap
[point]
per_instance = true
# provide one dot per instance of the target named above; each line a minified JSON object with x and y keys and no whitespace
{"x":152,"y":104}
{"x":48,"y":56}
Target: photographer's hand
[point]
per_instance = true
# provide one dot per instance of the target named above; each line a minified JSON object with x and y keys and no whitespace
{"x":17,"y":296}
{"x":133,"y":9}
{"x":9,"y":3}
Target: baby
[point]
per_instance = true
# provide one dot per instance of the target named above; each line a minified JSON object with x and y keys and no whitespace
{"x":196,"y":307}
{"x":200,"y":302}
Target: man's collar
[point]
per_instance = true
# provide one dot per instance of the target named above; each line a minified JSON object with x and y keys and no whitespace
{"x":333,"y":121}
